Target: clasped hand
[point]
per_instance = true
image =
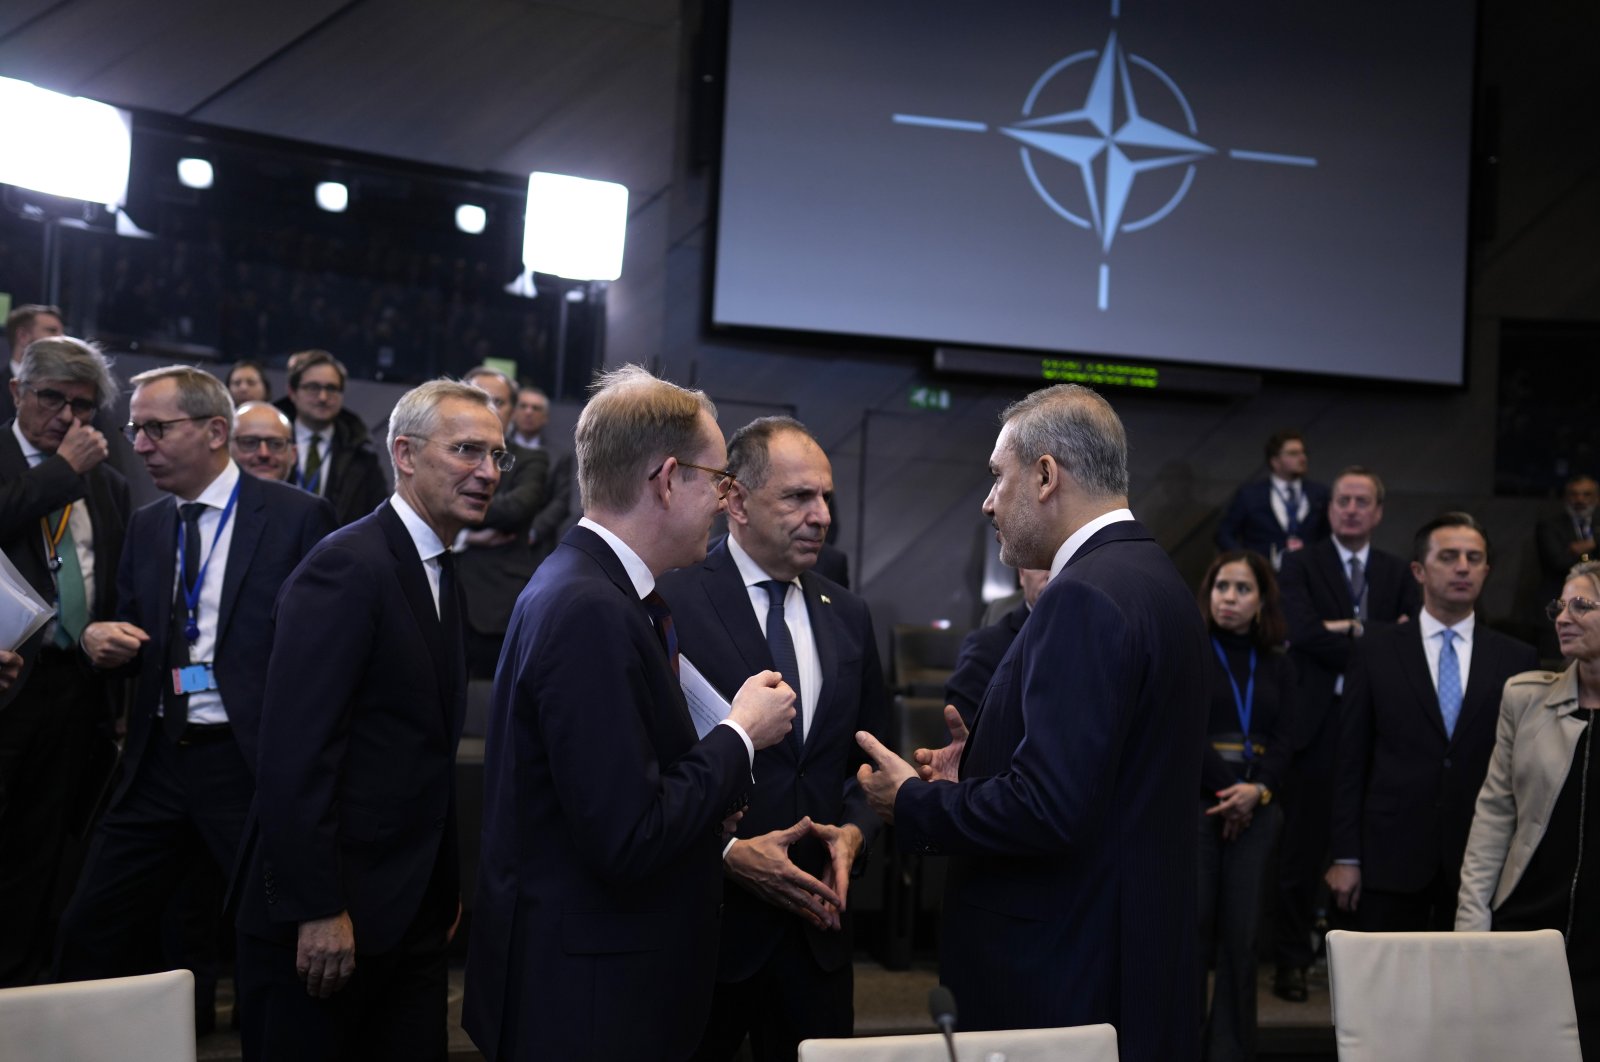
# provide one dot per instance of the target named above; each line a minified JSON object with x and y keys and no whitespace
{"x":762,"y":865}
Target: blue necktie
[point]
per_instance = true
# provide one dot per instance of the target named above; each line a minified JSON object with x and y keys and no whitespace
{"x":1291,"y":509}
{"x":1449,"y":682}
{"x":781,"y":644}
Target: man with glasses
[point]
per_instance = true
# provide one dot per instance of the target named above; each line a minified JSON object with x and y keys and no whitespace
{"x":350,"y":890}
{"x":495,"y":562}
{"x":33,"y":321}
{"x":63,"y":513}
{"x":336,"y":457}
{"x":599,"y":881}
{"x":195,"y":589}
{"x":263,"y":441}
{"x":784,"y":973}
{"x":1418,"y":719}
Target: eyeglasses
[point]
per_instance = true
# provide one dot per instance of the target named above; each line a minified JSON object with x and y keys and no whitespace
{"x":317,"y":390}
{"x":1579,"y":607}
{"x":51,"y":401}
{"x":721,"y":478}
{"x":474,"y":453}
{"x":154,"y":429}
{"x":251,"y":443}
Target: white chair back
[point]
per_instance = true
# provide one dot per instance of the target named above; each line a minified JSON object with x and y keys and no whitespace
{"x":1083,"y":1043}
{"x":149,"y":1018}
{"x":1466,"y":997}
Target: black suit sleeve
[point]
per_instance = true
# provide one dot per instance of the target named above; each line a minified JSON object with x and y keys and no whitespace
{"x":1354,"y":756}
{"x":1231,"y":526}
{"x":37,"y":492}
{"x":873,"y":718}
{"x":558,"y":499}
{"x":1306,"y":632}
{"x":1554,"y":536}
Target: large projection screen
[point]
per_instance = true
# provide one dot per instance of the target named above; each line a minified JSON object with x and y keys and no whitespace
{"x":1244,"y":183}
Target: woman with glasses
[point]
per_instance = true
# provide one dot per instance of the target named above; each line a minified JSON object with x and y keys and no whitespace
{"x":1533,"y":857}
{"x":1247,"y":752}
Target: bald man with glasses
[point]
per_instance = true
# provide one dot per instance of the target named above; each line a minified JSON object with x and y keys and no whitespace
{"x":263,"y":441}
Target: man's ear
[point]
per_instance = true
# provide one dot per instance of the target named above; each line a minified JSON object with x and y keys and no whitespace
{"x":1416,"y":571}
{"x":737,"y":502}
{"x":404,"y":460}
{"x":661,"y":485}
{"x":1048,"y":475}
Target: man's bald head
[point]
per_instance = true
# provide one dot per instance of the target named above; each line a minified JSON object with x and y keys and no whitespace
{"x":263,"y":441}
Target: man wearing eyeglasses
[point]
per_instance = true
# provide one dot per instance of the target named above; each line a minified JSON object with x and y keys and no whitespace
{"x":350,"y":888}
{"x":63,"y":513}
{"x":26,"y":323}
{"x":599,"y":881}
{"x":192,"y":626}
{"x":495,"y":562}
{"x":1418,"y":718}
{"x":263,"y":441}
{"x":336,"y":457}
{"x":784,"y":973}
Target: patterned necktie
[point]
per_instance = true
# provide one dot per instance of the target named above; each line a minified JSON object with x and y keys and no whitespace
{"x":1358,"y":587}
{"x":661,"y":618}
{"x":781,"y":644}
{"x":72,"y":602}
{"x":313,"y":466}
{"x":175,"y":714}
{"x":1449,"y":682}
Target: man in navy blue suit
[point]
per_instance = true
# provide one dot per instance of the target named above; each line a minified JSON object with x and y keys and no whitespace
{"x":1282,"y":513}
{"x":351,"y":882}
{"x":1068,"y":810}
{"x":784,"y":973}
{"x":199,"y":572}
{"x":599,"y":881}
{"x":1417,"y":730}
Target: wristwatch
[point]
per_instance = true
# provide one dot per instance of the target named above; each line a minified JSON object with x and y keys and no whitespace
{"x":1266,"y":794}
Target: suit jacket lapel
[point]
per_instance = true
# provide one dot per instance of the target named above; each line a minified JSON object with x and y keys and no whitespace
{"x":1334,"y":581}
{"x":419,"y":599}
{"x":730,"y":601}
{"x":13,"y":466}
{"x":1414,"y":663}
{"x":164,"y":530}
{"x":825,"y":634}
{"x":249,"y":522}
{"x":1481,"y":694}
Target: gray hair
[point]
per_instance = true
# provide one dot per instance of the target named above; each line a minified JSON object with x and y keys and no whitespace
{"x":67,"y":359}
{"x":485,"y":370}
{"x":748,"y":449}
{"x":631,"y":421}
{"x":1079,"y":429}
{"x":417,"y":412}
{"x":199,"y":393}
{"x":1589,"y":569}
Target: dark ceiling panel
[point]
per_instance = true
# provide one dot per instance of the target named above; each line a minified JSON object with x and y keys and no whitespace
{"x":497,"y":85}
{"x":163,"y":55}
{"x":17,"y":13}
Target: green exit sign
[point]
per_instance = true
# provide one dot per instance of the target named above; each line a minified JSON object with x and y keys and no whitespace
{"x":930,"y":398}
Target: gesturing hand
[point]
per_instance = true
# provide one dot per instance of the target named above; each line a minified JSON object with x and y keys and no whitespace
{"x":325,"y":956}
{"x":943,"y":765}
{"x":882,"y":778}
{"x":844,"y":842}
{"x":762,"y":865}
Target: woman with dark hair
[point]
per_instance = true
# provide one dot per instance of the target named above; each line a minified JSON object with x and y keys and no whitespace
{"x":1533,"y":856}
{"x":247,"y":382}
{"x":1247,"y":753}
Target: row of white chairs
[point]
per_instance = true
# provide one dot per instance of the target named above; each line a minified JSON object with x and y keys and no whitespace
{"x":1397,"y":997}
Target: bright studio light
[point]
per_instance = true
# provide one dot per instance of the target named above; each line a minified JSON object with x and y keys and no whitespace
{"x":90,"y":143}
{"x":195,"y":173}
{"x":333,"y":197}
{"x":575,"y":227}
{"x":471,"y":219}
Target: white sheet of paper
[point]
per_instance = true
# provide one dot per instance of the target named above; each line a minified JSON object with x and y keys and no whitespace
{"x":22,"y":610}
{"x":707,"y":707}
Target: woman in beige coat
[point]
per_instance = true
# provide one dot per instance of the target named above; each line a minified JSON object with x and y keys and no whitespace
{"x":1533,"y":856}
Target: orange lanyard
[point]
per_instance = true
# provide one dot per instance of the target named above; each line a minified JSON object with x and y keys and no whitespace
{"x":52,"y":539}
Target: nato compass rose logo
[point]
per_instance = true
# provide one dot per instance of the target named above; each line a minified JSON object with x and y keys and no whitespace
{"x":1110,"y":142}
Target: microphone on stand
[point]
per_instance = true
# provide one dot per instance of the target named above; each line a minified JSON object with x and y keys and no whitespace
{"x":942,"y":1008}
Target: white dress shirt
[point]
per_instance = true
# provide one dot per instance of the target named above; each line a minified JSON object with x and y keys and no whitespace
{"x":1432,"y":644}
{"x":1280,"y":509}
{"x":429,"y":546}
{"x":1082,"y":535}
{"x":796,"y":617}
{"x":207,"y":707}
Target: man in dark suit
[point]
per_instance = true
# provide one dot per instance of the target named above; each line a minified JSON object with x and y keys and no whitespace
{"x":28,"y":323}
{"x":785,"y":975}
{"x":1334,"y":593}
{"x":1281,"y":514}
{"x":63,"y":512}
{"x":495,"y":563}
{"x":1417,"y":729}
{"x":195,"y":588}
{"x":351,"y":883}
{"x":337,"y":458}
{"x":529,"y":418}
{"x":984,"y":648}
{"x":1068,"y":811}
{"x":599,"y":881}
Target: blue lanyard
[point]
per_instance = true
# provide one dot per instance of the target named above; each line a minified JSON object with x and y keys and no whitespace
{"x":191,"y":594}
{"x":1245,"y":703}
{"x":315,"y":484}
